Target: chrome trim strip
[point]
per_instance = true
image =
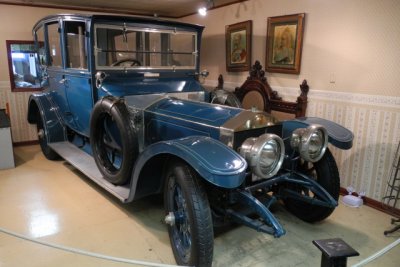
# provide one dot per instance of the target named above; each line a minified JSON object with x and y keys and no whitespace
{"x":145,"y":101}
{"x":185,"y":120}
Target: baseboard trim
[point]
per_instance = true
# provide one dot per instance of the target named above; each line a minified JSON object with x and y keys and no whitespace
{"x":26,"y":143}
{"x":375,"y":204}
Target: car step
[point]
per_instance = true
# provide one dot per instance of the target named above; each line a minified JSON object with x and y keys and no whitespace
{"x":86,"y":164}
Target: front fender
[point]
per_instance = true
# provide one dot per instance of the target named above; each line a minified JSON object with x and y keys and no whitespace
{"x":213,"y":160}
{"x":339,"y":136}
{"x":41,"y":105}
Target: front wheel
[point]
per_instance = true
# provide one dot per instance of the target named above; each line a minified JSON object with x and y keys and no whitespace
{"x":326,"y":173}
{"x":190,"y":225}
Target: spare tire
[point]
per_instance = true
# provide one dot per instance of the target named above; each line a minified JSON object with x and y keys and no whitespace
{"x":113,"y":140}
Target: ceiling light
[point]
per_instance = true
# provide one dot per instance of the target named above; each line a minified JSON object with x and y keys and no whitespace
{"x":202,"y":11}
{"x":209,"y":4}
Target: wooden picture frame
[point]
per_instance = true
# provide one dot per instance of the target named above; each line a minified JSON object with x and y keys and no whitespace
{"x":22,"y":69}
{"x":238,"y":46}
{"x":284,"y":43}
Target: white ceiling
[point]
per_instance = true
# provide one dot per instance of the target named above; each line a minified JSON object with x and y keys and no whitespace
{"x":163,"y":8}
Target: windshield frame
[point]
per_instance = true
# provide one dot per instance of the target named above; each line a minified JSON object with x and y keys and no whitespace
{"x":150,"y":29}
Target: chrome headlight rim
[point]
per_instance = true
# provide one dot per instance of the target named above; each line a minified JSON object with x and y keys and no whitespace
{"x":252,"y":148}
{"x":302,"y":140}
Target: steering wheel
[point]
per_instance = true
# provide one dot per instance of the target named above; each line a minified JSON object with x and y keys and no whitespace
{"x":133,"y":61}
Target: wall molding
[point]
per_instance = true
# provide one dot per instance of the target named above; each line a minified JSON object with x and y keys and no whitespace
{"x":26,"y":143}
{"x":343,"y":97}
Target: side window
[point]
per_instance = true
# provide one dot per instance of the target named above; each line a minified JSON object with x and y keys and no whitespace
{"x":40,"y":45}
{"x":76,"y":44}
{"x":55,"y":59}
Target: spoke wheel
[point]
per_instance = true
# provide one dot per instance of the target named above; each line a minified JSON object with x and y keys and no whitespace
{"x":326,"y":173}
{"x":113,"y":140}
{"x":191,"y":233}
{"x":111,"y":149}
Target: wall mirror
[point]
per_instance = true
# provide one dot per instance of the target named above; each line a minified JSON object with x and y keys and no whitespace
{"x":22,"y":58}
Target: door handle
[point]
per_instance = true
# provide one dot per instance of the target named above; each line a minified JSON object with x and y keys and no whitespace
{"x":63,"y":80}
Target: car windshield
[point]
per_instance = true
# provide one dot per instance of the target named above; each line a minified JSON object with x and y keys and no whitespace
{"x":131,"y":47}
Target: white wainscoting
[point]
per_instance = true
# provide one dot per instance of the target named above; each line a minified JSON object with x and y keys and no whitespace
{"x":375,"y":122}
{"x":21,"y":130}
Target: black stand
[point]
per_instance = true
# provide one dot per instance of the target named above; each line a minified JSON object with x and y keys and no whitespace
{"x":394,"y":229}
{"x":334,"y":252}
{"x":393,"y":189}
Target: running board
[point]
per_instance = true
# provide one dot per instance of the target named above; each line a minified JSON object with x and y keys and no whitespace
{"x":85,"y":163}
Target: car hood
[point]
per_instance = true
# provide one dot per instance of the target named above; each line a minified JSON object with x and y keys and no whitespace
{"x":188,"y":107}
{"x":191,"y":111}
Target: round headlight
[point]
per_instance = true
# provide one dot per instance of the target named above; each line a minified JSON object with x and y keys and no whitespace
{"x":310,"y":142}
{"x":264,"y":154}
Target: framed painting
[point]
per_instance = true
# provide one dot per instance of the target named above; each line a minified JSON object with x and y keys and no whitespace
{"x":284,"y":43}
{"x":238,"y":46}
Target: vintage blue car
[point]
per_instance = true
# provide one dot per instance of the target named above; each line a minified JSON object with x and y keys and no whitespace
{"x":122,"y":102}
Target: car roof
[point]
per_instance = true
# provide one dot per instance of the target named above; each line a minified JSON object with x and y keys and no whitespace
{"x":128,"y":19}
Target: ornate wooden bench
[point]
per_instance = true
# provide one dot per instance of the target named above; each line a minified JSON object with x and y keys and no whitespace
{"x":256,"y":92}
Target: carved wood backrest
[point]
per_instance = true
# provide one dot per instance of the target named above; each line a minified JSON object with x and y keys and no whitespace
{"x":256,"y":91}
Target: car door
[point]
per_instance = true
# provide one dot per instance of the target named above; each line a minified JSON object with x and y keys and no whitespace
{"x":77,"y":79}
{"x":55,"y":72}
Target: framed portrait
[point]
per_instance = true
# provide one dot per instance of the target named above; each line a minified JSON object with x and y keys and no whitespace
{"x":284,"y":43}
{"x":238,"y":46}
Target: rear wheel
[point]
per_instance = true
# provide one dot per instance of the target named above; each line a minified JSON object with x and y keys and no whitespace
{"x":190,"y":225}
{"x":42,"y":136}
{"x":326,"y":173}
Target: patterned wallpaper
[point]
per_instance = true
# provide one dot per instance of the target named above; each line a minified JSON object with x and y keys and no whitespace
{"x":21,"y":130}
{"x":374,"y":120}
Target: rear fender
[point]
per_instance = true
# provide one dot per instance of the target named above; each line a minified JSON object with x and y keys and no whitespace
{"x":214,"y":161}
{"x":41,"y":105}
{"x":339,"y":136}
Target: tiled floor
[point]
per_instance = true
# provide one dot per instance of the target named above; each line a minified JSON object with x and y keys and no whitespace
{"x":53,"y":202}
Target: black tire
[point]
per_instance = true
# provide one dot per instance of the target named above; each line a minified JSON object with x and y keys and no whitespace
{"x":326,"y":173}
{"x":191,"y":236}
{"x":42,"y":136}
{"x":113,"y":140}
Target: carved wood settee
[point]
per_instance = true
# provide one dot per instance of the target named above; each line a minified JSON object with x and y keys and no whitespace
{"x":256,"y":92}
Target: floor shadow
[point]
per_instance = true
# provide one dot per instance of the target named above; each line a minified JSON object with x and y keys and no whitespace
{"x":25,"y":154}
{"x":148,"y":211}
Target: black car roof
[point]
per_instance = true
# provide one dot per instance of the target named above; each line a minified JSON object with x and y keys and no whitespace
{"x":100,"y":17}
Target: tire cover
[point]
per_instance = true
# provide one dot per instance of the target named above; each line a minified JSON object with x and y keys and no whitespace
{"x":106,"y":110}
